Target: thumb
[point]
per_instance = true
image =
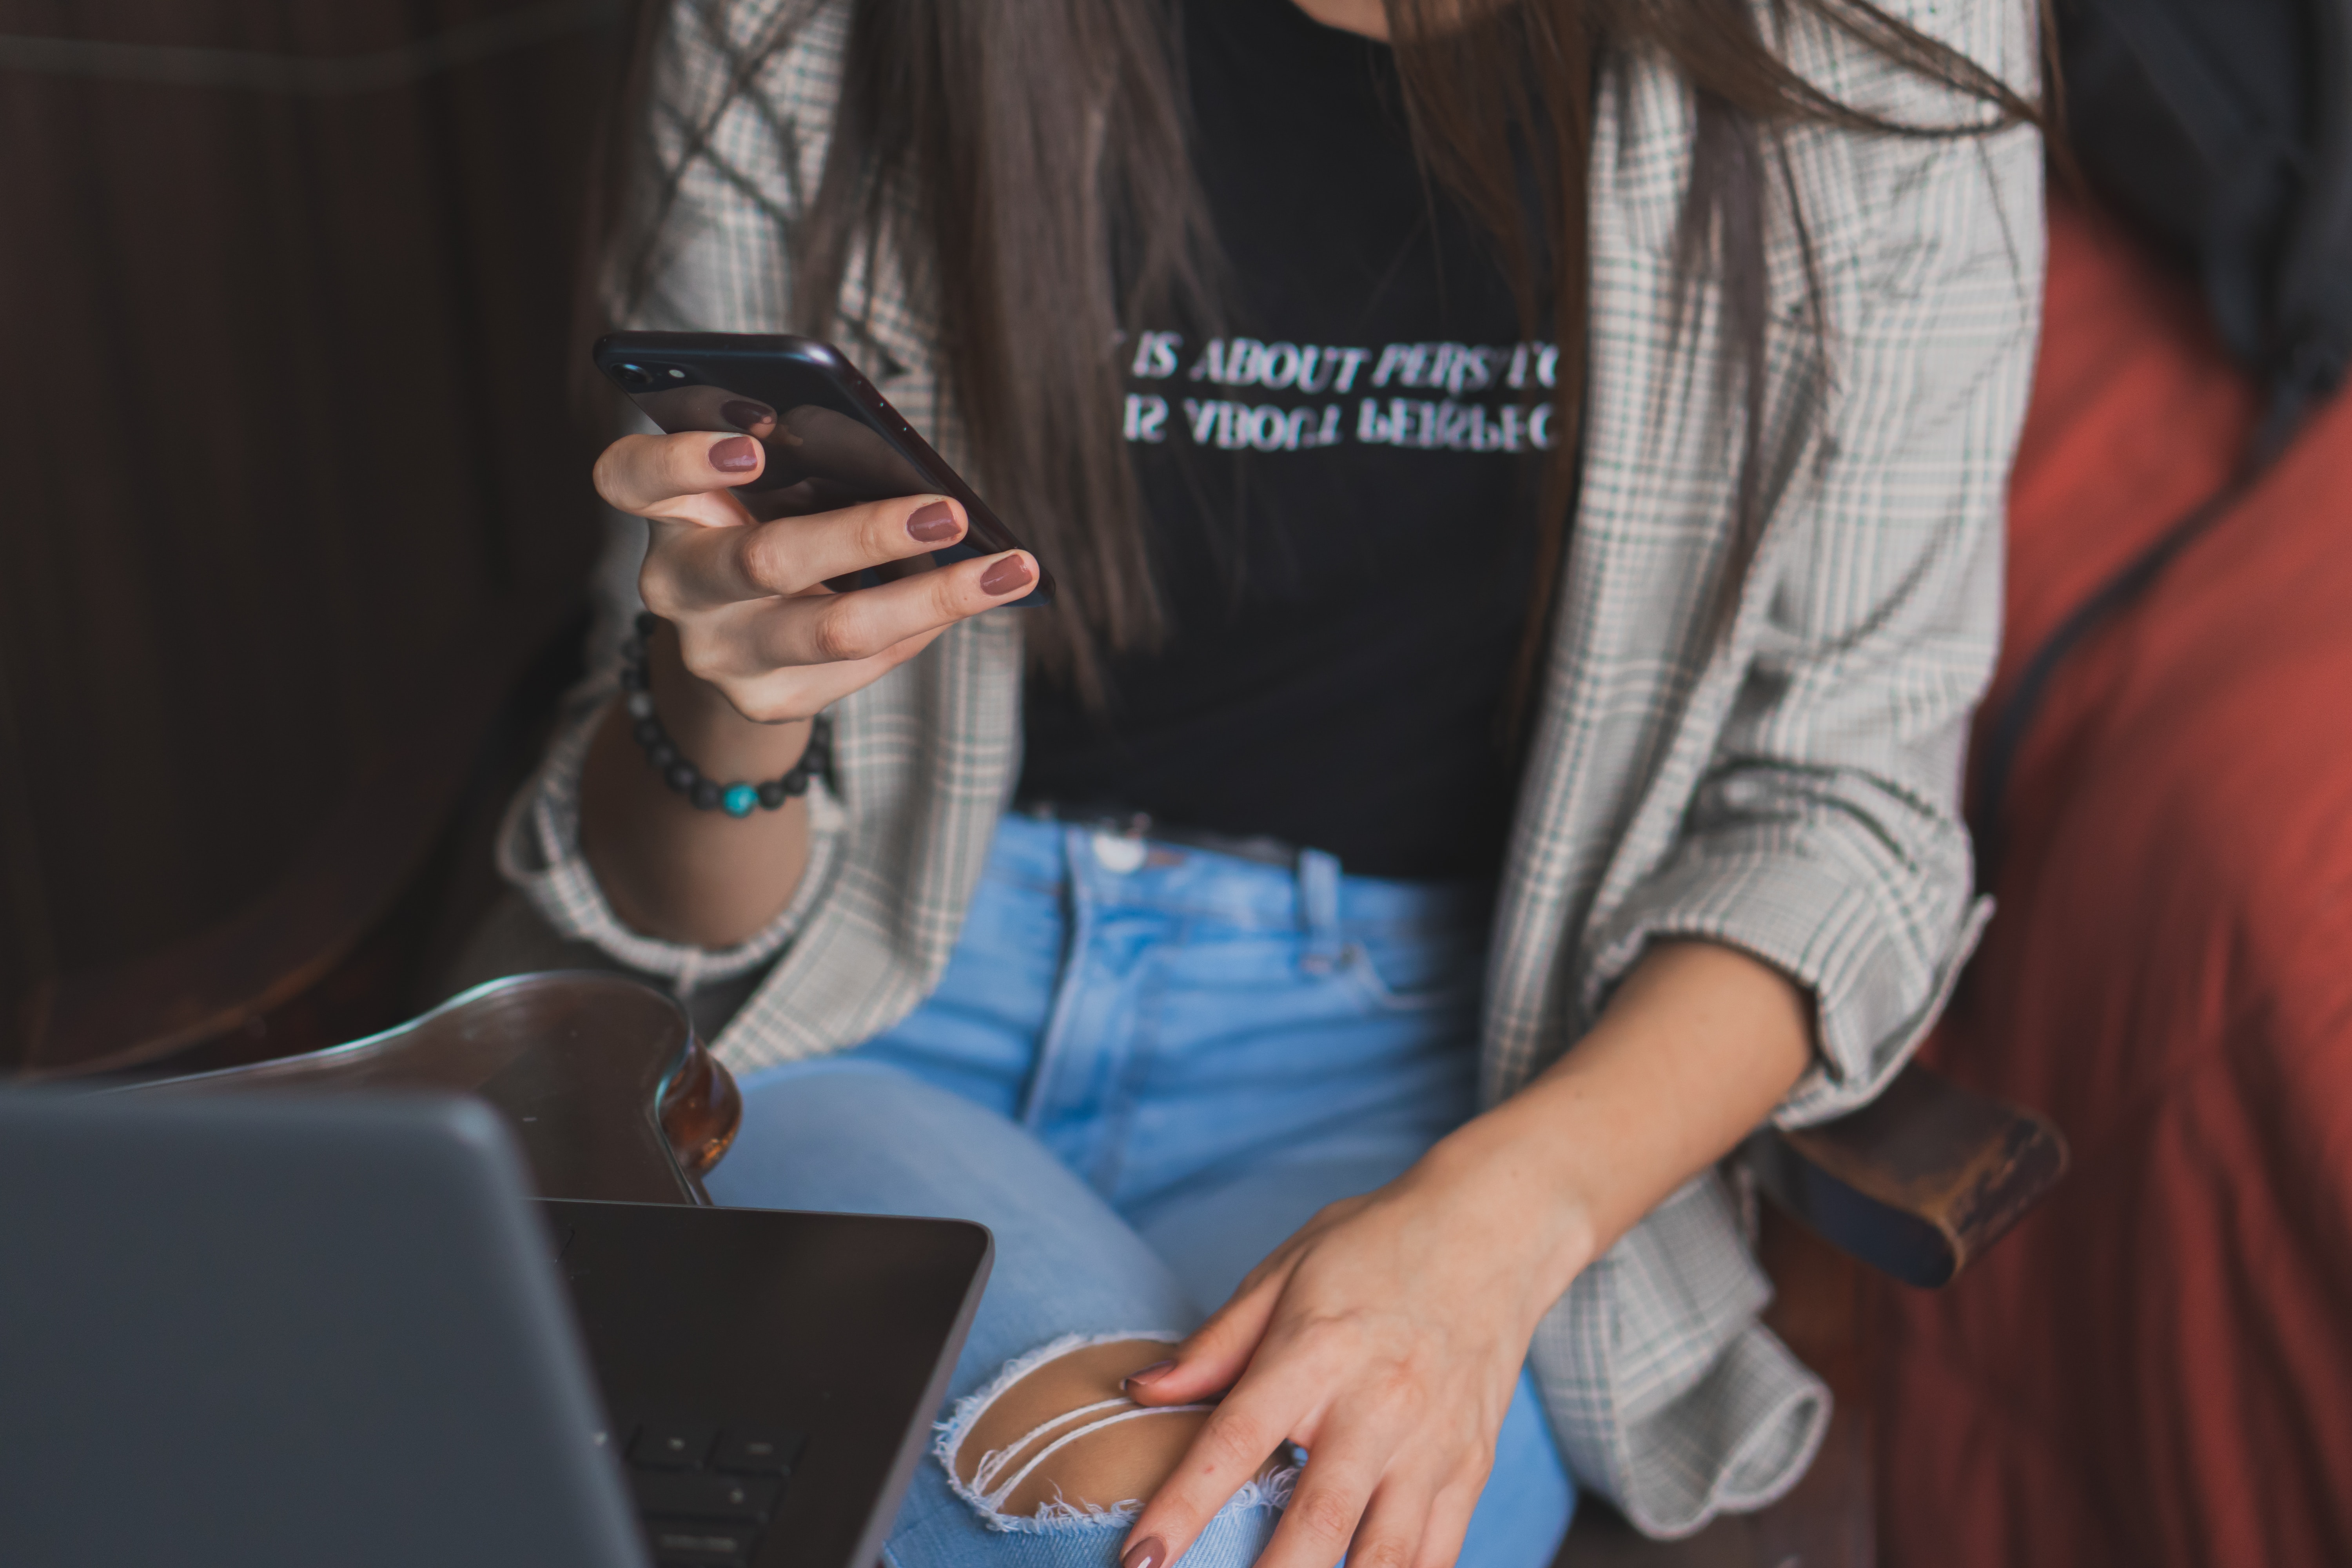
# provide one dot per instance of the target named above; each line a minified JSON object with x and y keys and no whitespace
{"x":1217,"y":1352}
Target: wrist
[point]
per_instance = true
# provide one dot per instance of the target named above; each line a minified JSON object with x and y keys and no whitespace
{"x":1501,"y":1173}
{"x":709,"y":727}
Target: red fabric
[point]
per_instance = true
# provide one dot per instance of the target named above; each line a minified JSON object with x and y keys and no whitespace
{"x":2155,"y":1368}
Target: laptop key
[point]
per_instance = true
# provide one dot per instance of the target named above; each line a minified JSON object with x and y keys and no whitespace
{"x":704,"y":1497}
{"x":664,"y":1447}
{"x":750,"y":1451}
{"x":679,"y":1543}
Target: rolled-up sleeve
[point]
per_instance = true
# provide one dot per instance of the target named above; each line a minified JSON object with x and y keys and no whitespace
{"x":729,"y":163}
{"x":1825,"y":835}
{"x":540,"y":849}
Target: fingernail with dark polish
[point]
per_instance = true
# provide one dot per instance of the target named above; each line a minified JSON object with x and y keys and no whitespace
{"x":1148,"y":1374}
{"x":735,"y":455}
{"x":933,"y":524}
{"x":742,"y":413}
{"x":1145,"y":1553}
{"x":1006,"y":575}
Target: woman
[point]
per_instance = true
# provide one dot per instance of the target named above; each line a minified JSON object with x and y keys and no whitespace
{"x":1525,"y":496}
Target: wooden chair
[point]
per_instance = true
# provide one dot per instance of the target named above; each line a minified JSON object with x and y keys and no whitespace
{"x":321,"y":258}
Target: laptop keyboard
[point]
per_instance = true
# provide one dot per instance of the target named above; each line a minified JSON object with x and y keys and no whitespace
{"x":706,"y":1493}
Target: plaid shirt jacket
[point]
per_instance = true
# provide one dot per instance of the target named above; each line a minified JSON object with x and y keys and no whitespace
{"x":1789,"y":788}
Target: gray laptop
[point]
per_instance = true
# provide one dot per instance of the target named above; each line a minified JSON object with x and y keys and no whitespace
{"x":265,"y":1331}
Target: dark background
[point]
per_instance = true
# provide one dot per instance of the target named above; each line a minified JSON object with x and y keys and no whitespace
{"x":295,"y":508}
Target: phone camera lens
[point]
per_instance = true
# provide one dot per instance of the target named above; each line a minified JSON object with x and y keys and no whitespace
{"x":636,"y":377}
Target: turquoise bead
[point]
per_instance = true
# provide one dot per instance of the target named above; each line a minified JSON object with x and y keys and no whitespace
{"x":739,"y":799}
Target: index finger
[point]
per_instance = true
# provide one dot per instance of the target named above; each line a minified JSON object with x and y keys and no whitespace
{"x":1232,"y":1446}
{"x":701,"y":568}
{"x":650,"y":476}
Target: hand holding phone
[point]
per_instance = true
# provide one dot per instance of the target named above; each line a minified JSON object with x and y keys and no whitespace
{"x":805,"y":540}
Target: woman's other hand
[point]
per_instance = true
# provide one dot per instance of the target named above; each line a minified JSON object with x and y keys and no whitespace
{"x":1386,"y":1337}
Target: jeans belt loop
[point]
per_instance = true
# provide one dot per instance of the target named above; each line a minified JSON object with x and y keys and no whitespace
{"x":1318,"y":911}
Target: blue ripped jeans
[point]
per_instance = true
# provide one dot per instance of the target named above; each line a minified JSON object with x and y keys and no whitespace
{"x":1143,"y":1072}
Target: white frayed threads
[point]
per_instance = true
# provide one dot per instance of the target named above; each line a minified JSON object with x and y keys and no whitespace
{"x":992,"y":1464}
{"x":987,"y":1492}
{"x":997,"y":1461}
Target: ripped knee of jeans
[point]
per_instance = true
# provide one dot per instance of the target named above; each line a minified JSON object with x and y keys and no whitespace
{"x":1053,"y":1441}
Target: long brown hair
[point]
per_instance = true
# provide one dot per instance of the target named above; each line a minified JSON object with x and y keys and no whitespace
{"x":1027,"y":160}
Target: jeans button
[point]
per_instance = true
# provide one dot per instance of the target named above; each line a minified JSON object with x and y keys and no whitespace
{"x":1118,"y":854}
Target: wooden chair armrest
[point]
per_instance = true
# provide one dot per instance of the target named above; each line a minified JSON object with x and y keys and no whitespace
{"x":1918,"y":1181}
{"x":601,"y":1078}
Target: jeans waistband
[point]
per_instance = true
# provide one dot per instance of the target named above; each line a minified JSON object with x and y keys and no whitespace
{"x":1263,"y":849}
{"x":1157,"y":871}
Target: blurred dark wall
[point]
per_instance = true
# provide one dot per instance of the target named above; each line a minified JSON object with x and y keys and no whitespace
{"x":285,"y":405}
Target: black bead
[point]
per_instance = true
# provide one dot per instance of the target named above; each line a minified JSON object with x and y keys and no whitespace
{"x":705,"y":795}
{"x":682,"y":777}
{"x":662,"y":754}
{"x":796,"y":782}
{"x":633,"y":678}
{"x":648,"y":732}
{"x":772,"y":794}
{"x":647,"y":622}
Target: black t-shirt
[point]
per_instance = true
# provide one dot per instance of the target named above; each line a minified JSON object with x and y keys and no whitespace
{"x":1338,"y":502}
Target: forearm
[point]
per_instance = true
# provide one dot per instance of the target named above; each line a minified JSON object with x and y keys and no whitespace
{"x":1699,"y":1043}
{"x":668,"y":870}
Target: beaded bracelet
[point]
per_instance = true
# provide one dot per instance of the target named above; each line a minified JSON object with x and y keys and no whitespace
{"x":682,"y":776}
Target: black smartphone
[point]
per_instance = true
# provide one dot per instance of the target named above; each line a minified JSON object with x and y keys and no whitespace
{"x":830,"y":439}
